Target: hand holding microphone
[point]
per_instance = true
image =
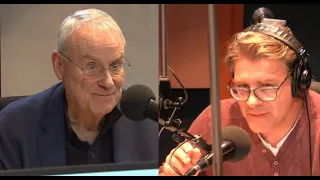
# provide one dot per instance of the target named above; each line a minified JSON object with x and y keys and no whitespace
{"x":182,"y":159}
{"x":235,"y":146}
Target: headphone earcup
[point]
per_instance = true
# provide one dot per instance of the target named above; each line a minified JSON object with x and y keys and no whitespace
{"x":295,"y":79}
{"x":305,"y":77}
{"x":301,"y":78}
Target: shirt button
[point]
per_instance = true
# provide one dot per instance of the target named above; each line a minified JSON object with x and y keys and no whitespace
{"x":275,"y":163}
{"x":264,"y":150}
{"x":91,"y":154}
{"x":276,"y":174}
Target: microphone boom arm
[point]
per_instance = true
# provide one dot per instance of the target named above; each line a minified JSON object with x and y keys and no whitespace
{"x":174,"y":125}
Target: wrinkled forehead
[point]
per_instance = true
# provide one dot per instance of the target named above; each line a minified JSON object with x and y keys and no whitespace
{"x":87,"y":40}
{"x":259,"y":69}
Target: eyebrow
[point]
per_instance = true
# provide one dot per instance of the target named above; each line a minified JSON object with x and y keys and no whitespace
{"x":120,"y":58}
{"x":117,"y":59}
{"x":268,"y":79}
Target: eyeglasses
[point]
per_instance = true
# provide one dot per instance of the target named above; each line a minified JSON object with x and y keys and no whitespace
{"x":262,"y":93}
{"x":95,"y":70}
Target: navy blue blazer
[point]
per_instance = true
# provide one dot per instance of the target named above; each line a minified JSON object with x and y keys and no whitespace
{"x":32,"y":134}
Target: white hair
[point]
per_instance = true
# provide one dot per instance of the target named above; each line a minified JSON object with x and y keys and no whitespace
{"x":99,"y":19}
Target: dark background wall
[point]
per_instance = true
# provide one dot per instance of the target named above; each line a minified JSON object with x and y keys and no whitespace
{"x":304,"y":22}
{"x":198,"y":100}
{"x":303,"y":19}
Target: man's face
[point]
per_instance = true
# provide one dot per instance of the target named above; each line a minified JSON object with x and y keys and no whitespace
{"x":263,"y":116}
{"x":98,"y":95}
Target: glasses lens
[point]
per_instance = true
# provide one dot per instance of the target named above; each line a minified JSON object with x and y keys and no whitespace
{"x":266,"y":93}
{"x":116,"y":69}
{"x":91,"y":69}
{"x":240,"y":94}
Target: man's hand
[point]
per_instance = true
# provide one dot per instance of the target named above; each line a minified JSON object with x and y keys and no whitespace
{"x":184,"y":158}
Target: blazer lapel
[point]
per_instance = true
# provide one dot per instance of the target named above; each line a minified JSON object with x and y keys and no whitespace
{"x":51,"y":140}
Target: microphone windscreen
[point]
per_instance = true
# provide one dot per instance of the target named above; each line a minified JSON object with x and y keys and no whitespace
{"x":240,"y":140}
{"x":134,"y":101}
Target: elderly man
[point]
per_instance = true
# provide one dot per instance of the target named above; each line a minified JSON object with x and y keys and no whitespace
{"x":78,"y":121}
{"x":271,"y":102}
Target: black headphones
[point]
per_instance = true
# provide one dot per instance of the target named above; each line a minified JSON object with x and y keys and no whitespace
{"x":301,"y":74}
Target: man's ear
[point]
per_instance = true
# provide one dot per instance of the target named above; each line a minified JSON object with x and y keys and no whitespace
{"x":57,"y":63}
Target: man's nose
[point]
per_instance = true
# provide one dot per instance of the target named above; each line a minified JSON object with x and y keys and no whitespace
{"x":106,"y":78}
{"x":253,"y":100}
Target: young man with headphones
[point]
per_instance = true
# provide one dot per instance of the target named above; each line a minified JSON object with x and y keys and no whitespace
{"x":271,"y":102}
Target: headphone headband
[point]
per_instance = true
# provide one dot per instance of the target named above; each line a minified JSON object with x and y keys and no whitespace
{"x":279,"y":34}
{"x":301,"y":75}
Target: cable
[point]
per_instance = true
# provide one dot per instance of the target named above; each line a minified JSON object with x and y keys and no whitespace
{"x":184,"y":100}
{"x":170,"y":162}
{"x":309,"y":131}
{"x":183,"y":88}
{"x":172,"y":114}
{"x":159,"y":134}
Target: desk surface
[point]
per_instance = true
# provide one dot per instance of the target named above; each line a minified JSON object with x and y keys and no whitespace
{"x":113,"y":169}
{"x":145,"y":172}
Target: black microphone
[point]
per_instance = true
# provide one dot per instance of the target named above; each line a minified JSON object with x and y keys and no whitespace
{"x":236,"y":145}
{"x":138,"y":103}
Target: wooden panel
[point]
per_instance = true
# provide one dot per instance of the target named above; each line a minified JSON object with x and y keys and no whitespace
{"x":187,"y":31}
{"x":188,"y":45}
